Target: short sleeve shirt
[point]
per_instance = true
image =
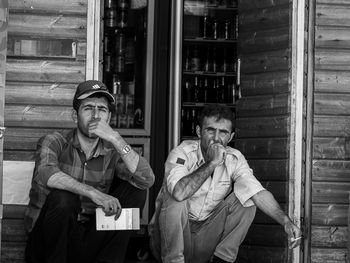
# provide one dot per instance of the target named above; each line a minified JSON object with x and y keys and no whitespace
{"x":234,"y":173}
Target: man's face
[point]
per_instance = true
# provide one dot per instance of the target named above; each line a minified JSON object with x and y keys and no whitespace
{"x":214,"y":131}
{"x":92,"y":110}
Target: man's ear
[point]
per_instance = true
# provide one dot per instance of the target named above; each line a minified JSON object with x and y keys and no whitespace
{"x":231,"y":136}
{"x":109,"y":117}
{"x":198,"y":131}
{"x":74,"y":116}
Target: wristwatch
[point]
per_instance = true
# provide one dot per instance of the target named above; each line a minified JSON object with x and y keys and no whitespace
{"x":126,"y":149}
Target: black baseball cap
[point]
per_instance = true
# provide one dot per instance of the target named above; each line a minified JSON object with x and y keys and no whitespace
{"x":90,"y":87}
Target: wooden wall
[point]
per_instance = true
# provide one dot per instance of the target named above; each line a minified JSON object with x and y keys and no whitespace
{"x":263,"y":116}
{"x":45,"y":62}
{"x":330,"y":174}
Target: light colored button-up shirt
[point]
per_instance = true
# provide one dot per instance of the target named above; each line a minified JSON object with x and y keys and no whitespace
{"x":187,"y":157}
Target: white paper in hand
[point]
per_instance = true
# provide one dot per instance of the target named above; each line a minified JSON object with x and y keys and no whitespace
{"x":129,"y":219}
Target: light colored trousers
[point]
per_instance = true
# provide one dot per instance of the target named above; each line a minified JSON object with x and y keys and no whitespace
{"x":178,"y":239}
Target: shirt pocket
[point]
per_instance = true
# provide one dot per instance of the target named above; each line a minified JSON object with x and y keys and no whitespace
{"x":221,"y":190}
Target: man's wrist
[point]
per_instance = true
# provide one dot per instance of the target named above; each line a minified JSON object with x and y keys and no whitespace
{"x":126,"y":149}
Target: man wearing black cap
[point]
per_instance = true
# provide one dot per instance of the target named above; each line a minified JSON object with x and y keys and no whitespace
{"x":91,"y":166}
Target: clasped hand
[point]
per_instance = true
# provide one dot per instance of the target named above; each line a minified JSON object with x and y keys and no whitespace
{"x":110,"y":205}
{"x":216,"y":154}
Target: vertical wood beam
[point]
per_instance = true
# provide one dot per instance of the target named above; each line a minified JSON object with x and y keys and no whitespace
{"x":93,"y":39}
{"x":296,"y":133}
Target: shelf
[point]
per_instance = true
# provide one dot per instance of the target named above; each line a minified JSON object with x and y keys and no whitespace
{"x":195,"y":8}
{"x":209,"y":74}
{"x":202,"y":104}
{"x":197,"y":40}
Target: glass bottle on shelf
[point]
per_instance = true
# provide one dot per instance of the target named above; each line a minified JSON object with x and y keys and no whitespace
{"x":193,"y":122}
{"x":222,"y":91}
{"x":206,"y":88}
{"x":195,"y":60}
{"x":208,"y":65}
{"x":187,"y":59}
{"x":187,"y":92}
{"x":196,"y":90}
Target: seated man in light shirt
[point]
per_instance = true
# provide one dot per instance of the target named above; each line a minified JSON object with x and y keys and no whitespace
{"x":209,"y":197}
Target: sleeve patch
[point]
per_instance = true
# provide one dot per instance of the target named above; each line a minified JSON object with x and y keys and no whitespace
{"x":180,"y":161}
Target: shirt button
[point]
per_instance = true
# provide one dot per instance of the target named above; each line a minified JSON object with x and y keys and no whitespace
{"x":85,"y":164}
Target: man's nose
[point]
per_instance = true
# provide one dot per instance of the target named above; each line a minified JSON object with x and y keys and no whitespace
{"x":95,"y":113}
{"x":217,"y":135}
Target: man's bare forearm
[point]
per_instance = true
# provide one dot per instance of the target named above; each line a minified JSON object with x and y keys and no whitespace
{"x":63,"y":181}
{"x":265,"y":201}
{"x":189,"y":184}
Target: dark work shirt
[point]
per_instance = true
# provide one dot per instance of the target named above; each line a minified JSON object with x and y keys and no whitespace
{"x":62,"y":153}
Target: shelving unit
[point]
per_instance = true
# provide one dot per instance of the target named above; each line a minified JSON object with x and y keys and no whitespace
{"x":209,"y":59}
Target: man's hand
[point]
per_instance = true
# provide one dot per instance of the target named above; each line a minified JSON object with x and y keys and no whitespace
{"x":216,"y":154}
{"x":110,"y":205}
{"x":294,"y":234}
{"x":101,"y":129}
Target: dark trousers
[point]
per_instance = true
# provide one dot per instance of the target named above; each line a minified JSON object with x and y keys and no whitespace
{"x":57,"y":236}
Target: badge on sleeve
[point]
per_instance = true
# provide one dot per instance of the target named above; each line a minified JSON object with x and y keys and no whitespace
{"x":180,"y":161}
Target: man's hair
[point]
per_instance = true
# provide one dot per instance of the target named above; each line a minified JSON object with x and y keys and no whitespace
{"x":219,"y":111}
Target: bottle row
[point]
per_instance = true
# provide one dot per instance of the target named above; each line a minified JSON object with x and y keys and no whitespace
{"x":128,"y":121}
{"x":209,"y":59}
{"x":210,"y":90}
{"x":116,"y":13}
{"x":189,"y":121}
{"x":215,"y":3}
{"x":216,"y":28}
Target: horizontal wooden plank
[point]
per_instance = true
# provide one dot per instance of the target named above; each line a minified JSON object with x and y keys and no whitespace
{"x":278,"y":189}
{"x":56,"y":26}
{"x":330,"y":126}
{"x":12,"y":252}
{"x":263,"y":40}
{"x":331,"y":170}
{"x":49,"y":6}
{"x":330,"y":192}
{"x":333,"y":2}
{"x":332,"y":59}
{"x":329,"y":214}
{"x":332,"y":37}
{"x":331,"y":255}
{"x":257,"y":254}
{"x":332,"y":15}
{"x":332,"y":148}
{"x":263,"y":148}
{"x":13,"y":230}
{"x":19,"y":155}
{"x":265,"y":83}
{"x":45,"y":71}
{"x":14,"y":211}
{"x":270,"y":170}
{"x":254,"y":4}
{"x":269,"y":61}
{"x":261,"y":218}
{"x":266,"y":235}
{"x":332,"y":104}
{"x":39,"y":116}
{"x":264,"y":18}
{"x":263,"y":126}
{"x":39,"y":93}
{"x":26,"y":138}
{"x":332,"y":81}
{"x":266,"y":105}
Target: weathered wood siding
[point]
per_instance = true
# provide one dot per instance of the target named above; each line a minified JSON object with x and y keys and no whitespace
{"x":45,"y":62}
{"x":263,"y":116}
{"x":331,"y":131}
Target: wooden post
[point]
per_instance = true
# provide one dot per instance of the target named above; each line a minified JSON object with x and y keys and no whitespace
{"x":348,"y":255}
{"x":3,"y":51}
{"x":296,"y":131}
